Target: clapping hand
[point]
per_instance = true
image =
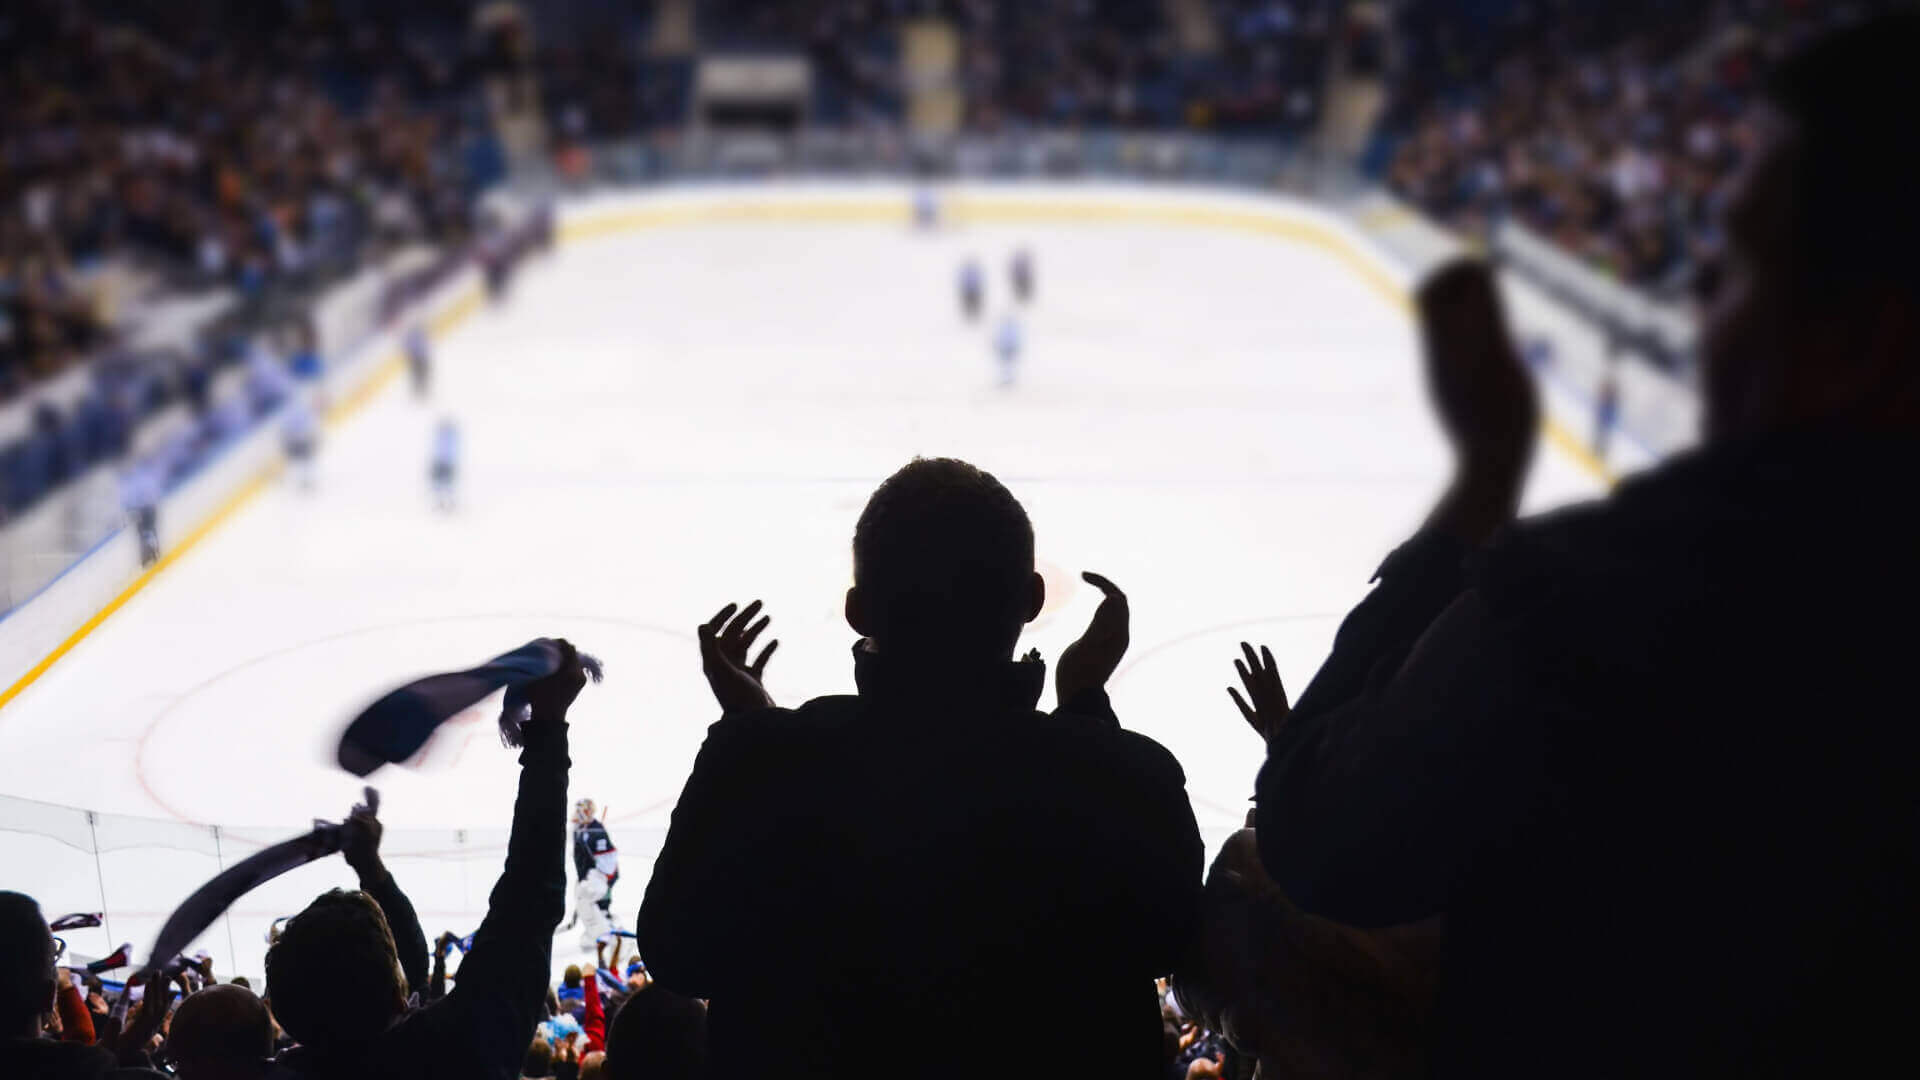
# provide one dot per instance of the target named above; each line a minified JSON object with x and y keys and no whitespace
{"x":1265,"y":706}
{"x":724,"y":643}
{"x":1088,"y":663}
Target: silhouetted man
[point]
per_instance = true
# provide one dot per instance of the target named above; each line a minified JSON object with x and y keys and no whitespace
{"x":1655,"y":758}
{"x":880,"y":884}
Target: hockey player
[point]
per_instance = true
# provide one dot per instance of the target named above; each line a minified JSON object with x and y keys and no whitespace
{"x":1606,"y":410}
{"x":300,"y":436}
{"x":1006,"y":347}
{"x":1021,"y":273}
{"x":140,"y":497}
{"x":973,"y":288}
{"x":596,"y":866}
{"x":443,"y":469}
{"x":419,"y":359}
{"x":926,"y":208}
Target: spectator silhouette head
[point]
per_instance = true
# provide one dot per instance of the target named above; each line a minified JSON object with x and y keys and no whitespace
{"x":26,"y":966}
{"x":659,"y":1035}
{"x":1817,"y":320}
{"x":221,"y":1033}
{"x":539,"y":1059}
{"x":334,"y":976}
{"x":943,"y":566}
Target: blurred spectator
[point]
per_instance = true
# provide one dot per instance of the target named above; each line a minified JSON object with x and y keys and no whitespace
{"x":27,"y":984}
{"x":539,"y":1061}
{"x":1307,"y":997}
{"x":221,"y":1033}
{"x":1657,"y":855}
{"x":658,"y":1035}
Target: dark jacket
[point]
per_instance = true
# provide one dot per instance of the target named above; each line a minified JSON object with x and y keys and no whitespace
{"x":46,"y":1059}
{"x":409,"y":941}
{"x":889,"y":884}
{"x":1655,"y":758}
{"x":481,"y":1029}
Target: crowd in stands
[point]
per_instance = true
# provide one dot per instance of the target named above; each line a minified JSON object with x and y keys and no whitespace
{"x":227,"y":143}
{"x":1626,"y":789}
{"x":1613,"y":129}
{"x":1086,"y":65}
{"x":262,"y":149}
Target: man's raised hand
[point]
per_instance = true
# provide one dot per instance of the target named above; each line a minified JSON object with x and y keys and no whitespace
{"x":725,"y":641}
{"x":1484,"y":398}
{"x":360,"y":834}
{"x":550,"y":698}
{"x":1265,"y":706}
{"x":1088,"y":663}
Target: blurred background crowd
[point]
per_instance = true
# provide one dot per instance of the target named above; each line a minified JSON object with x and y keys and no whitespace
{"x":268,"y":149}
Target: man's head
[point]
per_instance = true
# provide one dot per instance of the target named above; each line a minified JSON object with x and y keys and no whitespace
{"x":1817,"y":320}
{"x":659,"y":1035}
{"x":334,"y":975}
{"x":539,"y":1060}
{"x":943,"y":564}
{"x":583,"y":811}
{"x":221,"y":1033}
{"x":26,"y":964}
{"x":570,"y":978}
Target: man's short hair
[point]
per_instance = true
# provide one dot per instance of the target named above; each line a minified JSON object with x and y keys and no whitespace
{"x":334,"y":975}
{"x":571,"y":976}
{"x":539,"y":1060}
{"x":221,"y":1026}
{"x":943,"y":555}
{"x":657,"y":1035}
{"x":1857,"y":220}
{"x":26,"y":957}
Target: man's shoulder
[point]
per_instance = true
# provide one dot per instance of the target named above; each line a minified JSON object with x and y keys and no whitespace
{"x":1087,"y":743}
{"x":820,"y":719}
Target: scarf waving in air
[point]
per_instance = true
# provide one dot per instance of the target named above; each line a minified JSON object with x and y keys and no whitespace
{"x":395,"y":727}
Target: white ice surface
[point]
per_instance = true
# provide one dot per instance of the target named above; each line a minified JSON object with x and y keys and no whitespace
{"x":1232,"y":427}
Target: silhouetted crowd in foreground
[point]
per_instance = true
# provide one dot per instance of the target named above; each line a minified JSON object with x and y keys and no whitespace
{"x":1622,"y":790}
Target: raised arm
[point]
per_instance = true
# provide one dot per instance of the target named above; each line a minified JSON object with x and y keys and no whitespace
{"x":498,"y":999}
{"x":76,"y":1020}
{"x":1404,"y":752}
{"x":360,"y":845}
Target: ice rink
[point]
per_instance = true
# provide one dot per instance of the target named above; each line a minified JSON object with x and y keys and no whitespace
{"x":1230,"y":426}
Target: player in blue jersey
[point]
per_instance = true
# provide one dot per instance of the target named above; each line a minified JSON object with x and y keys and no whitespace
{"x":443,"y":471}
{"x":973,"y":289}
{"x":1007,"y":343}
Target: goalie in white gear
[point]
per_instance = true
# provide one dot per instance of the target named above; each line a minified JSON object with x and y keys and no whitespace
{"x":596,"y":865}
